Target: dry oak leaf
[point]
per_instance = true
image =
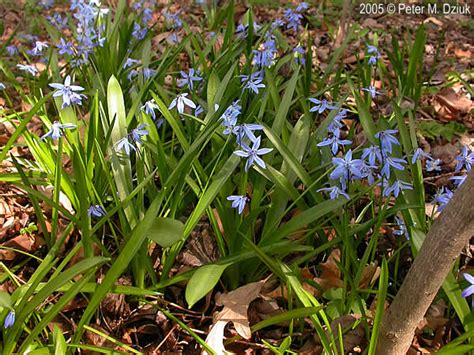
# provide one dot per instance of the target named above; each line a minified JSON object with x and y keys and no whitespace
{"x":236,"y":304}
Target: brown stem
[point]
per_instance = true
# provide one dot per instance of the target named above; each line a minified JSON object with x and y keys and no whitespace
{"x":448,"y":235}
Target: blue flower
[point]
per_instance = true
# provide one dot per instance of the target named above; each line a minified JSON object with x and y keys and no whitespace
{"x":180,"y":101}
{"x":458,"y":180}
{"x":130,"y":62}
{"x":334,"y":142}
{"x":302,"y":7}
{"x":418,"y":154}
{"x":67,"y":92}
{"x":198,"y":110}
{"x":393,"y":162}
{"x":470,"y":290}
{"x":373,"y":153}
{"x":387,"y":139}
{"x":372,"y":49}
{"x":28,"y":68}
{"x":465,"y":160}
{"x":173,"y":21}
{"x":263,"y":57}
{"x":346,"y":168}
{"x":57,"y":130}
{"x":96,"y":211}
{"x":253,"y":84}
{"x":396,"y":188}
{"x":189,"y":78}
{"x":148,"y":73}
{"x":433,"y":165}
{"x":372,"y":91}
{"x":2,"y":86}
{"x":125,"y":145}
{"x":321,"y":105}
{"x":253,"y":154}
{"x":65,"y":47}
{"x":299,"y":55}
{"x":12,"y":50}
{"x":442,"y":198}
{"x":238,"y":201}
{"x":138,"y":32}
{"x":139,"y":132}
{"x":149,"y":108}
{"x":9,"y":320}
{"x":292,"y":19}
{"x":402,"y":228}
{"x":246,"y":130}
{"x":334,"y":192}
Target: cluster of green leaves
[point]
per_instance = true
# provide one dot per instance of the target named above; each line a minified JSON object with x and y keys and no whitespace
{"x":189,"y":162}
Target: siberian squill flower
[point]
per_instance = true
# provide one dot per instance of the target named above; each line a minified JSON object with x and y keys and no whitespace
{"x":346,"y":167}
{"x":253,"y":154}
{"x":9,"y":320}
{"x":402,"y":228}
{"x":253,"y":84}
{"x":149,"y":108}
{"x":2,"y":86}
{"x":292,"y":19}
{"x":470,"y":290}
{"x":130,"y":62}
{"x":387,"y":139}
{"x":246,"y":130}
{"x":12,"y":50}
{"x":238,"y":201}
{"x":334,"y":192}
{"x":418,"y":154}
{"x":334,"y":142}
{"x":372,"y":91}
{"x":393,"y":162}
{"x":321,"y":105}
{"x":189,"y":78}
{"x":396,"y":188}
{"x":56,"y":130}
{"x":442,"y":198}
{"x":139,"y":132}
{"x":458,"y":180}
{"x":38,"y":48}
{"x":372,"y":153}
{"x":465,"y":160}
{"x":148,"y":73}
{"x":67,"y":92}
{"x":299,"y":55}
{"x":96,"y":211}
{"x":65,"y":47}
{"x":138,"y":32}
{"x":433,"y":165}
{"x":125,"y":145}
{"x":180,"y":101}
{"x":28,"y":68}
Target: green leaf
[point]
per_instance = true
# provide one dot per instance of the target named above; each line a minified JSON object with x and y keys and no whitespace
{"x":59,"y":341}
{"x":166,"y":231}
{"x":203,"y":281}
{"x":5,"y":300}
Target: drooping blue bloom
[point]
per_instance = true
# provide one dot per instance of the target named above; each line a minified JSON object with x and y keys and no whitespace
{"x":299,"y":55}
{"x":133,"y":74}
{"x":9,"y":320}
{"x":173,"y":38}
{"x":58,"y":21}
{"x":2,"y":86}
{"x":302,"y":7}
{"x":173,"y":21}
{"x":292,"y":19}
{"x":442,"y":198}
{"x":245,"y":131}
{"x":265,"y":54}
{"x":253,"y":84}
{"x":68,"y":92}
{"x":372,"y":91}
{"x":334,"y":142}
{"x":373,"y":153}
{"x":321,"y":105}
{"x":149,"y":108}
{"x":96,"y":211}
{"x":125,"y":145}
{"x":148,"y":73}
{"x":139,"y":132}
{"x":458,"y":180}
{"x":346,"y":168}
{"x":465,"y":160}
{"x":334,"y":192}
{"x":180,"y":101}
{"x":130,"y":62}
{"x":433,"y":165}
{"x":138,"y":32}
{"x":387,"y":139}
{"x":253,"y":154}
{"x":12,"y":50}
{"x":198,"y":111}
{"x":28,"y":68}
{"x":65,"y":47}
{"x":238,"y":201}
{"x":336,"y":123}
{"x":393,"y":162}
{"x":396,"y":188}
{"x":419,"y":153}
{"x":470,"y":289}
{"x":189,"y":78}
{"x":56,"y":130}
{"x":372,"y":49}
{"x":38,"y":48}
{"x":241,"y":30}
{"x":402,"y":228}
{"x":147,"y":15}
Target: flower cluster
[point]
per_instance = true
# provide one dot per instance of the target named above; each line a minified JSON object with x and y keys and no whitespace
{"x":68,"y":92}
{"x":132,"y":139}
